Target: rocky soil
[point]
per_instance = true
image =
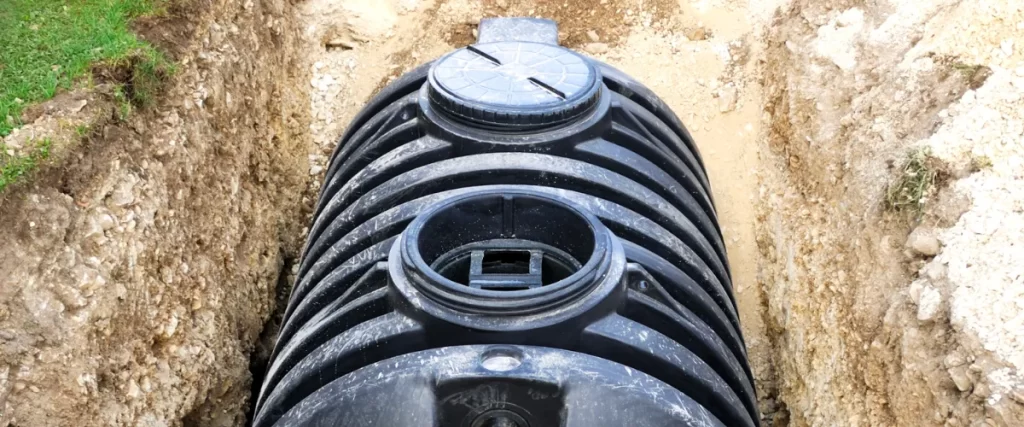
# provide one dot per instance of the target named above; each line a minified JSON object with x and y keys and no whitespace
{"x":883,"y":316}
{"x":138,"y":270}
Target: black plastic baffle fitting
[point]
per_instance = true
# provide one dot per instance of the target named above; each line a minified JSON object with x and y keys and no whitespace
{"x":513,"y":235}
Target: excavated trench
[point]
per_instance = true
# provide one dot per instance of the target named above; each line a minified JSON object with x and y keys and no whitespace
{"x":701,"y":59}
{"x":145,"y":274}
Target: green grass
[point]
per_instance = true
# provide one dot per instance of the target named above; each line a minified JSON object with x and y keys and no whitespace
{"x":966,"y":70}
{"x":15,"y":167}
{"x":124,"y":104}
{"x":45,"y":45}
{"x":917,"y":177}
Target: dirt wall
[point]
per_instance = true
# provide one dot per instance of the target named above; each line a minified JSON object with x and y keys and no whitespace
{"x":881,"y":314}
{"x":139,"y":270}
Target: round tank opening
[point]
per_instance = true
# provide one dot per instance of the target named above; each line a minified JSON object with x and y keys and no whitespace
{"x":506,"y":243}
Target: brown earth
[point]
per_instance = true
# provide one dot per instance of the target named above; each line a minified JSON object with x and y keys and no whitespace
{"x":139,"y":269}
{"x":867,"y":327}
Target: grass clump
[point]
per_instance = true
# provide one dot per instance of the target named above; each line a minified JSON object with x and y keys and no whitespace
{"x":48,"y":44}
{"x":917,"y":178}
{"x":974,"y":75}
{"x":14,"y":167}
{"x":966,"y":70}
{"x":980,"y":163}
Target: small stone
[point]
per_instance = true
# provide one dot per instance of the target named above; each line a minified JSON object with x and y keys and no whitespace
{"x":696,"y":33}
{"x":954,"y":359}
{"x":133,"y":391}
{"x":315,"y":170}
{"x":923,"y":241}
{"x":77,"y":106}
{"x":171,"y":327}
{"x":592,"y":35}
{"x":86,"y":382}
{"x":106,"y":221}
{"x":935,"y":272}
{"x":930,"y":304}
{"x":596,"y":47}
{"x":981,"y":390}
{"x":960,"y":378}
{"x":727,"y":98}
{"x":33,"y":389}
{"x":122,"y":196}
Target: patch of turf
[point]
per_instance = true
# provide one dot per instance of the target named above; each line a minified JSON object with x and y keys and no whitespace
{"x":46,"y":44}
{"x":14,"y":167}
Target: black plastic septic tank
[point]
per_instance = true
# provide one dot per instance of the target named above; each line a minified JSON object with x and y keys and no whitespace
{"x":513,"y":235}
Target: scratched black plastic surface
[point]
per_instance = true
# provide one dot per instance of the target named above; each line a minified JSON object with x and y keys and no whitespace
{"x":619,"y":154}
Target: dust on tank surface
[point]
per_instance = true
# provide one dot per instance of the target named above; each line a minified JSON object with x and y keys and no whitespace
{"x":512,"y":235}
